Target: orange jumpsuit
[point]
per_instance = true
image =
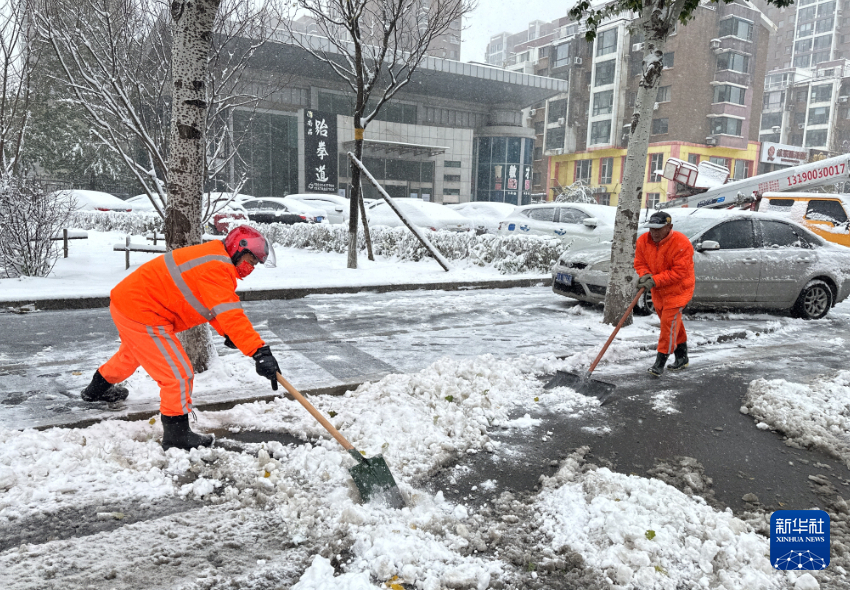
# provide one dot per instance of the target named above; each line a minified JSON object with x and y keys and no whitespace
{"x":671,"y":264}
{"x":171,"y":293}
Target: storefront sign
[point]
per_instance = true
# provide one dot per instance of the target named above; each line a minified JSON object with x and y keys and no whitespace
{"x":497,"y":177}
{"x":320,"y":152}
{"x":783,"y":155}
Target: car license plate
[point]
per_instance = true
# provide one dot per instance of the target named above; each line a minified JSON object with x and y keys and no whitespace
{"x":564,"y":278}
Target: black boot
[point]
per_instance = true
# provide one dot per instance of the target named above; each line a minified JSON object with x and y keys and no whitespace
{"x":681,"y":354}
{"x":177,"y":434}
{"x":101,"y":390}
{"x":658,"y":368}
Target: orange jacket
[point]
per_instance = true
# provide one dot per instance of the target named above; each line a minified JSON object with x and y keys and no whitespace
{"x":671,"y":264}
{"x":187,"y":287}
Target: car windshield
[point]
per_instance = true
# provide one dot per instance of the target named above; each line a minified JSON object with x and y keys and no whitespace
{"x":690,"y":226}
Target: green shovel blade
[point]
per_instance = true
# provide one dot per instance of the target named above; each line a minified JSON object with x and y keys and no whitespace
{"x":374,"y":480}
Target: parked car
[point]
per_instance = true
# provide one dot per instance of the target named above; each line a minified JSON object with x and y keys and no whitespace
{"x":742,"y":259}
{"x":274,"y":210}
{"x":577,"y":224}
{"x":336,"y":208}
{"x":141,"y":203}
{"x":83,"y":200}
{"x":423,"y":214}
{"x":825,"y":214}
{"x":224,"y":208}
{"x":485,"y":216}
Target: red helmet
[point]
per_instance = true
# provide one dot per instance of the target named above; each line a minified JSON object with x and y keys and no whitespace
{"x":243,"y":239}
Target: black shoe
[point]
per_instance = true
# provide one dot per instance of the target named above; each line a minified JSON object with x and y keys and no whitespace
{"x":681,"y":354}
{"x":177,"y":434}
{"x":657,"y":369}
{"x":101,"y":390}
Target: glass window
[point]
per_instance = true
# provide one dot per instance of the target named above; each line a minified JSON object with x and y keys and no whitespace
{"x":542,"y":214}
{"x":693,"y":158}
{"x":776,"y":234}
{"x":555,"y":138}
{"x":805,"y":14}
{"x":727,"y":93}
{"x":733,"y":61}
{"x":773,"y":100}
{"x":823,"y":42}
{"x":831,"y":211}
{"x":820,"y":57}
{"x":726,"y":126}
{"x":717,"y":160}
{"x":562,"y":55}
{"x":656,"y":165}
{"x":652,"y":200}
{"x":803,"y":45}
{"x":824,"y":25}
{"x":600,"y":132}
{"x":268,"y":154}
{"x":736,"y":27}
{"x":605,"y":72}
{"x":663,"y":94}
{"x":732,"y":235}
{"x":606,"y":170}
{"x":603,"y":102}
{"x":669,"y":59}
{"x":822,"y":93}
{"x":816,"y":138}
{"x":770,"y":120}
{"x":802,"y":61}
{"x":557,"y":110}
{"x":583,"y":170}
{"x":805,"y":29}
{"x":606,"y":42}
{"x":826,"y":8}
{"x":818,"y":115}
{"x":659,"y":126}
{"x":571,"y":215}
{"x":451,"y":164}
{"x":742,"y":169}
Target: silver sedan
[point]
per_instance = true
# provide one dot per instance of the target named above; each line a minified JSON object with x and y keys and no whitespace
{"x":741,"y":260}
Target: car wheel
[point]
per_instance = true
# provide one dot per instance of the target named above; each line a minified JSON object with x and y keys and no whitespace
{"x":644,"y":305}
{"x":814,"y":302}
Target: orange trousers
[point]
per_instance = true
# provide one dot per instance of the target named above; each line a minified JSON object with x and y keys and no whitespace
{"x":672,"y":329}
{"x":158,"y":351}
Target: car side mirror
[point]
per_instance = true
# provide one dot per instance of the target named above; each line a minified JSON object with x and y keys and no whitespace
{"x":708,"y":245}
{"x":590,"y":222}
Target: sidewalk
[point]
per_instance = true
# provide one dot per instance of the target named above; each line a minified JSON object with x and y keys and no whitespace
{"x":92,"y":269}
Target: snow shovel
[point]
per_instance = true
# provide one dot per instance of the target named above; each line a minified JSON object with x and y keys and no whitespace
{"x":583,"y":383}
{"x":371,"y":476}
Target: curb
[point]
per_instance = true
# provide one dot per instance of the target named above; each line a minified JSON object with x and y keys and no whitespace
{"x":272,"y":294}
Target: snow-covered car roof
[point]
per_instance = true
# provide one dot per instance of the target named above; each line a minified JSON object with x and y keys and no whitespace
{"x":94,"y":200}
{"x":604,"y":213}
{"x":422,"y":213}
{"x":294,"y":205}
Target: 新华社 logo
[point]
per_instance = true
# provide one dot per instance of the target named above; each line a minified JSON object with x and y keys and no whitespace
{"x":799,"y":539}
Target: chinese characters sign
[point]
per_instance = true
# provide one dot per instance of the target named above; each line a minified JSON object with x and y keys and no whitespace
{"x":320,"y":152}
{"x":799,"y":539}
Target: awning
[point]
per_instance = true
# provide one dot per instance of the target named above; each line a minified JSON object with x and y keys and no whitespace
{"x":379,"y":147}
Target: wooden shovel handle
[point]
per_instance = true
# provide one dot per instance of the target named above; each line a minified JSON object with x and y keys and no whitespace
{"x":316,"y":414}
{"x":614,"y":333}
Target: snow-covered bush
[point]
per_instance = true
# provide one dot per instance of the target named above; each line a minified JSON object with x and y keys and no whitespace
{"x":29,"y":218}
{"x":128,"y":223}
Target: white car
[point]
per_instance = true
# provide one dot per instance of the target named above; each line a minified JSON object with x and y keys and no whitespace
{"x":424,"y":214}
{"x":311,"y":213}
{"x":336,"y":208}
{"x":93,"y":201}
{"x":576,"y":224}
{"x":141,"y":203}
{"x":485,"y":216}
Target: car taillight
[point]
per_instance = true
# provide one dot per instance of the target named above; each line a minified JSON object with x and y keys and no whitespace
{"x":102,"y":209}
{"x":304,"y":217}
{"x":433,"y":228}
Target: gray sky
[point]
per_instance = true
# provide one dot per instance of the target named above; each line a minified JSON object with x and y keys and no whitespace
{"x":494,"y":16}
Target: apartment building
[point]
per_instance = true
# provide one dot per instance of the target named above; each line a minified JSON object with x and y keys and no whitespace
{"x":702,"y":113}
{"x":502,"y":48}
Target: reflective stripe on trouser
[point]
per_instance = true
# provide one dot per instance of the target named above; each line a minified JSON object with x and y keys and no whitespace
{"x":672,"y":329}
{"x":158,"y":351}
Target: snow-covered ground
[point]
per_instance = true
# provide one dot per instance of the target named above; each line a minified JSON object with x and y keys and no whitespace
{"x":272,"y":515}
{"x":93,"y":268}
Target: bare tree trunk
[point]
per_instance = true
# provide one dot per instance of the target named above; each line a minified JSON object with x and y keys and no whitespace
{"x":356,"y":197}
{"x":192,"y":25}
{"x":366,"y":233}
{"x":621,"y":287}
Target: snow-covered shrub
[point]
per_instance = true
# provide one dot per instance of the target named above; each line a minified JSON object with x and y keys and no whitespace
{"x":29,"y":218}
{"x":139,"y":223}
{"x":508,"y":254}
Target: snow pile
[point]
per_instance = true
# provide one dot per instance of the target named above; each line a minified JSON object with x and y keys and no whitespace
{"x":644,"y":534}
{"x":140,"y":223}
{"x":811,"y":416}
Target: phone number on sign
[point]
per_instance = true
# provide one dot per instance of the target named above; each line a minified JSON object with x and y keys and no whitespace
{"x":825,"y":172}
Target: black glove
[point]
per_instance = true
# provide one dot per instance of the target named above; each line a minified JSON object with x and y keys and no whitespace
{"x":229,"y":343}
{"x":267,"y":365}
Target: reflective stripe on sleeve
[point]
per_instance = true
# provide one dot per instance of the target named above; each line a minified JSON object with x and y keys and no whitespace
{"x":222,"y":307}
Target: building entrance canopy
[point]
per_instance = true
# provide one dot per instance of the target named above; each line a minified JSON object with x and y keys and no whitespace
{"x":381,"y":148}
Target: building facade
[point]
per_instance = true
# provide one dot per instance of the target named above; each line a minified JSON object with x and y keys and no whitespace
{"x":455,"y":133}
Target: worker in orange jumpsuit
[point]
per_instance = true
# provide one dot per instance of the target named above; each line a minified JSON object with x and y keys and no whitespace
{"x":174,"y":292}
{"x":664,"y":261}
